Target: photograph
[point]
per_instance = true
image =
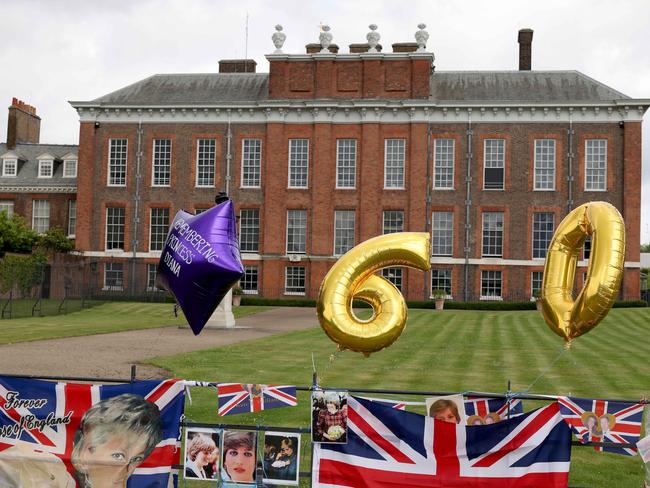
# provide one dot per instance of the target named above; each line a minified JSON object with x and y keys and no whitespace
{"x":202,"y":453}
{"x":239,"y":457}
{"x":329,"y":417}
{"x":281,"y":458}
{"x":449,"y":408}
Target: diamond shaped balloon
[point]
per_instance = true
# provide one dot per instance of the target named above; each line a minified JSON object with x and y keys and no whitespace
{"x":200,"y":261}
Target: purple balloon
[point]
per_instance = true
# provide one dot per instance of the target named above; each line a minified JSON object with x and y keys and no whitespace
{"x":200,"y":261}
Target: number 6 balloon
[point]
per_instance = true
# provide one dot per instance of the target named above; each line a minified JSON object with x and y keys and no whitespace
{"x":566,"y":317}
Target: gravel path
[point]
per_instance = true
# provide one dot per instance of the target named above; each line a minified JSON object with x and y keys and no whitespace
{"x":111,"y":355}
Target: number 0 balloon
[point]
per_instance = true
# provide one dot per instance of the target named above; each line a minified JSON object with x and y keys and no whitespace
{"x":566,"y":317}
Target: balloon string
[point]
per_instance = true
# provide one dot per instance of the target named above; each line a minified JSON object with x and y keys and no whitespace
{"x":332,"y":358}
{"x":563,"y":350}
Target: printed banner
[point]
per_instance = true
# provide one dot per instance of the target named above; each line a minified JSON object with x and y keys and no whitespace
{"x":67,"y":435}
{"x":484,"y":411}
{"x":248,"y":397}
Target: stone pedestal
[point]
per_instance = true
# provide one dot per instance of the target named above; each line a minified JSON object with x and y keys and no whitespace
{"x":222,"y":318}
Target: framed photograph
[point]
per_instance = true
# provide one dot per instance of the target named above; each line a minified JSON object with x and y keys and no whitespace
{"x":449,"y":408}
{"x":202,"y":454}
{"x":329,"y":417}
{"x":281,"y":458}
{"x":238,"y":458}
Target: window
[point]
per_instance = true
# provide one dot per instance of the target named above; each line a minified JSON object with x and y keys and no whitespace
{"x":586,"y":249}
{"x":492,"y":234}
{"x":7,"y":206}
{"x":158,"y":227}
{"x":113,"y":275}
{"x":544,"y":175}
{"x":441,"y":280}
{"x":40,"y":215}
{"x":72,"y":218}
{"x":152,"y":272}
{"x":45,"y":168}
{"x":494,"y":164}
{"x":9,"y":167}
{"x":249,"y":229}
{"x":442,"y":233}
{"x":115,"y":228}
{"x":206,"y":155}
{"x":294,"y":280}
{"x":343,"y":231}
{"x":250,"y":281}
{"x":393,"y":221}
{"x":443,"y":164}
{"x":394,"y":163}
{"x":298,"y":163}
{"x":251,"y":163}
{"x":536,"y":282}
{"x":346,"y":163}
{"x":70,"y":168}
{"x":394,"y":275}
{"x":296,"y":231}
{"x":543,"y":224}
{"x":490,"y":284}
{"x":596,"y":165}
{"x":162,"y":162}
{"x":117,"y":162}
{"x":198,"y":211}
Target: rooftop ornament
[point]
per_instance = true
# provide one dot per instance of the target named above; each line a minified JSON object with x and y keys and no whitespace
{"x":421,"y":37}
{"x":278,"y":38}
{"x":325,"y":38}
{"x":373,"y":38}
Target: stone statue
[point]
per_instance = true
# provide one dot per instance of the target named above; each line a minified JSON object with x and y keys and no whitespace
{"x":278,"y":38}
{"x":421,"y":37}
{"x":325,"y":38}
{"x":373,"y":38}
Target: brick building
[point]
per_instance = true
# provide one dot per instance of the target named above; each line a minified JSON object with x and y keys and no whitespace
{"x":329,"y":149}
{"x":37,"y":181}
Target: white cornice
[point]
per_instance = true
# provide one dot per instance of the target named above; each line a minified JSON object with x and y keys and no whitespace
{"x":347,"y":56}
{"x":38,"y":189}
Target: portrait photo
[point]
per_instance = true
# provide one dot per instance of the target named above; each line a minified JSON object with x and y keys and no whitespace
{"x":202,"y":448}
{"x":449,"y":408}
{"x":281,"y":458}
{"x":238,"y":457}
{"x":329,"y":417}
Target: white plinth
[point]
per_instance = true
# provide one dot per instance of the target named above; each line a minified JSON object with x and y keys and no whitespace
{"x":222,"y":318}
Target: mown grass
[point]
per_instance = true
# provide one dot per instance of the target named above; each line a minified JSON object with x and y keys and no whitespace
{"x":448,"y":351}
{"x":100,"y":319}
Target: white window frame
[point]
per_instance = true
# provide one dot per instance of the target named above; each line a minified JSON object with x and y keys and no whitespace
{"x":43,"y":166}
{"x":483,"y":230}
{"x":532,"y":283}
{"x":151,"y":284}
{"x":111,"y":287}
{"x":9,"y":163}
{"x":451,"y":283}
{"x":401,"y":228}
{"x":123,"y":231}
{"x":552,"y":152}
{"x":498,"y":298}
{"x":403,"y":163}
{"x":72,"y":218}
{"x":587,"y":141}
{"x":394,"y":275}
{"x":151,"y":224}
{"x":533,"y":240}
{"x":339,"y":167}
{"x":286,"y":280}
{"x":243,"y":282}
{"x":503,"y":164}
{"x":48,"y":206}
{"x":126,"y":162}
{"x":298,"y":160}
{"x":67,"y":163}
{"x":246,"y":227}
{"x":244,"y":165}
{"x":341,"y":213}
{"x":7,"y":206}
{"x":451,"y":245}
{"x":214,"y":163}
{"x":301,"y":232}
{"x":166,"y":159}
{"x":435,"y":162}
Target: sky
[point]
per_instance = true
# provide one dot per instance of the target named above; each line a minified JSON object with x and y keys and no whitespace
{"x":55,"y":51}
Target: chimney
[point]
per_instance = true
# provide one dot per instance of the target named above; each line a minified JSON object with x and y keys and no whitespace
{"x":405,"y":47}
{"x":525,"y":40}
{"x":315,"y":47}
{"x":362,"y":48}
{"x":237,"y":66}
{"x":23,"y":125}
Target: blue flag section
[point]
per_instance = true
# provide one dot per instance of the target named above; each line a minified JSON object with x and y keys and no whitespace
{"x":89,"y":435}
{"x":390,"y":448}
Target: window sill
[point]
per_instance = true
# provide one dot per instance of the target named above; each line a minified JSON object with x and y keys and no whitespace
{"x":250,"y":187}
{"x":295,"y":293}
{"x":297,"y":188}
{"x":491,"y":298}
{"x":113,"y":288}
{"x":250,"y":292}
{"x":443,"y":189}
{"x":594,"y":191}
{"x":494,"y":189}
{"x":164,"y":186}
{"x":544,"y":189}
{"x":204,"y":186}
{"x":401,"y":188}
{"x":446,"y":297}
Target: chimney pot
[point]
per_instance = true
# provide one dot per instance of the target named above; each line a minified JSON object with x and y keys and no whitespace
{"x":525,"y":40}
{"x":237,"y":66}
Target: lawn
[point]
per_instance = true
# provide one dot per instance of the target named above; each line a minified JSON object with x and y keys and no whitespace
{"x":448,"y":351}
{"x":100,"y":319}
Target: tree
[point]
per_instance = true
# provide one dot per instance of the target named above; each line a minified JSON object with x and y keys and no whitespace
{"x":15,"y":235}
{"x":54,"y":240}
{"x":645,"y":247}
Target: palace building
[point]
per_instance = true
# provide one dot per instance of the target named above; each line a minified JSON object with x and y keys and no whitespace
{"x":329,"y":149}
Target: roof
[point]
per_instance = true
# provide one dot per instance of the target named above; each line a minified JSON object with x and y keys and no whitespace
{"x":520,"y":86}
{"x":191,"y":89}
{"x":446,"y":86}
{"x":28,"y":170}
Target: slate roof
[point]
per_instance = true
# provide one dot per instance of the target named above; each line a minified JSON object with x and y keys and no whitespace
{"x":446,"y":86}
{"x":28,"y":167}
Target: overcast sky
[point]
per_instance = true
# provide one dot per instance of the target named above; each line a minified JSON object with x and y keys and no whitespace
{"x":55,"y":50}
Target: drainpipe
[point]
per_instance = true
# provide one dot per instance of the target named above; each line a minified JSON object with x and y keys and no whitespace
{"x":136,"y":203}
{"x":468,"y":204}
{"x":427,"y":215}
{"x":228,"y":155}
{"x":570,"y":156}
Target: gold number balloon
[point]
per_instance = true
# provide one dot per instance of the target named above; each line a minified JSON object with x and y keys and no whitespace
{"x":353,"y":277}
{"x":566,"y":317}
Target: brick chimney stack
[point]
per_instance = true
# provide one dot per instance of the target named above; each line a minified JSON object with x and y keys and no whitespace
{"x":237,"y":66}
{"x":23,"y":124}
{"x":525,"y":40}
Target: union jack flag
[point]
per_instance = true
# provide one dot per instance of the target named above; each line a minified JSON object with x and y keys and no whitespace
{"x":48,"y":415}
{"x":388,"y":447}
{"x":397,"y":404}
{"x":604,"y":421}
{"x":246,"y":398}
{"x":481,"y":408}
